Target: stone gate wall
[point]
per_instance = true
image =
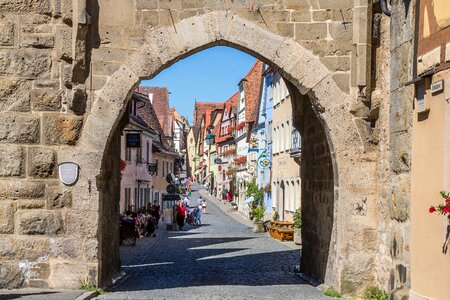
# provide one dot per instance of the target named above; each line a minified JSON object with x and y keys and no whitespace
{"x":67,"y":68}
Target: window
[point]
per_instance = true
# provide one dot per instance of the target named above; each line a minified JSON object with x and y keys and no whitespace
{"x":287,"y":137}
{"x":128,"y":154}
{"x":269,"y":133}
{"x":139,"y":155}
{"x":171,"y":168}
{"x":136,"y":195}
{"x":292,"y":197}
{"x":281,"y":138}
{"x":157,"y":166}
{"x":163,"y":169}
{"x":127,"y":198}
{"x":148,"y":152}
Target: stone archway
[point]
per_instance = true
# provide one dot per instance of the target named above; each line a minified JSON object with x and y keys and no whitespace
{"x":349,"y":263}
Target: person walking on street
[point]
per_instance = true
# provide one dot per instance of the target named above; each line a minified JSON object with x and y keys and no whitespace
{"x":204,"y":205}
{"x":198,"y":217}
{"x":229,"y":196}
{"x":181,"y":214}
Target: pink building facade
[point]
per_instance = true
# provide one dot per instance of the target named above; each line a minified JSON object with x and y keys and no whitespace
{"x":136,"y":181}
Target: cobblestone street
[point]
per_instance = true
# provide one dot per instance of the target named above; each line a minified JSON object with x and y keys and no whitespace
{"x":222,"y":259}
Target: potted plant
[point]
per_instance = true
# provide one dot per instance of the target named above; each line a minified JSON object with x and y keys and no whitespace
{"x":258,"y":215}
{"x":298,"y":226}
{"x":258,"y":208}
{"x":276,"y":216}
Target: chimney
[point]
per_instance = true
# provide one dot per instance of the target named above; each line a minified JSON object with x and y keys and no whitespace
{"x":150,"y":96}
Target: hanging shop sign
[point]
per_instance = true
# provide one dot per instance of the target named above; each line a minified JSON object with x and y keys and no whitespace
{"x":264,"y":163}
{"x":152,"y":168}
{"x":68,"y":172}
{"x":217,"y":161}
{"x":133,"y":140}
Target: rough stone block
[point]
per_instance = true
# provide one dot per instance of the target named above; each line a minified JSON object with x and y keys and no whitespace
{"x":61,"y":129}
{"x":57,"y":198}
{"x":340,"y":31}
{"x":285,"y":29}
{"x":20,"y":6}
{"x":11,"y":277}
{"x":297,"y":4}
{"x":30,"y":204}
{"x":39,"y":222}
{"x":64,"y":43}
{"x":191,"y":4}
{"x":21,"y":189}
{"x":343,"y":81}
{"x":362,"y":20}
{"x":7,"y":210}
{"x":400,"y":154}
{"x":401,"y":70}
{"x":332,"y":15}
{"x":169,"y":4}
{"x":301,"y":16}
{"x":7,"y":33}
{"x":11,"y":160}
{"x":148,"y":18}
{"x":37,"y":28}
{"x":105,"y":68}
{"x":14,"y":95}
{"x":146,"y":4}
{"x":327,"y":48}
{"x":401,"y":109}
{"x":67,"y":274}
{"x":402,"y":23}
{"x":35,"y":41}
{"x":41,"y":162}
{"x":24,"y":63}
{"x":24,"y":247}
{"x":65,"y":247}
{"x":63,"y":9}
{"x":117,"y":13}
{"x":19,"y":128}
{"x":336,"y":63}
{"x":333,"y":4}
{"x":46,"y":99}
{"x":399,"y":200}
{"x":38,"y":283}
{"x":309,"y":31}
{"x":39,"y":271}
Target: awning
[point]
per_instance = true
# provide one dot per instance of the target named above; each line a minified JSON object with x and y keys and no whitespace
{"x":249,"y":200}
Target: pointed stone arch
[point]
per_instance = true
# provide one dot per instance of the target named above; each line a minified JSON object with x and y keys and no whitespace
{"x":349,"y":265}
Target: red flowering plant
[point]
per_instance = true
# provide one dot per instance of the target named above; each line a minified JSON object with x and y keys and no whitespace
{"x":442,"y":208}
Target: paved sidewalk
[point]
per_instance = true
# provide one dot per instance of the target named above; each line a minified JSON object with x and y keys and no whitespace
{"x":45,"y":294}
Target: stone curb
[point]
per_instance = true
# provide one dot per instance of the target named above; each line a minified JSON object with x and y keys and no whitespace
{"x":87,"y":295}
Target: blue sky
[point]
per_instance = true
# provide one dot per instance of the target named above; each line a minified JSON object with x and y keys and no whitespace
{"x":211,"y":75}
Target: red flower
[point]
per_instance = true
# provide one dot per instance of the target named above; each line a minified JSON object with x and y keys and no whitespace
{"x":432,"y":209}
{"x":446,"y":209}
{"x":447,"y":200}
{"x":123,"y":164}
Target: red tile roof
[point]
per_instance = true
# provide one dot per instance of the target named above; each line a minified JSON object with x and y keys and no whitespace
{"x":201,"y":107}
{"x":252,"y":91}
{"x":229,"y":107}
{"x":148,"y":114}
{"x":160,"y":104}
